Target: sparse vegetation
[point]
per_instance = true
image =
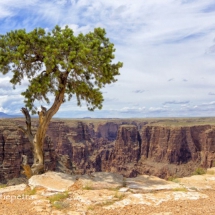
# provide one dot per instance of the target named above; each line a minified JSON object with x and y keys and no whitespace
{"x":180,"y":189}
{"x":31,"y":191}
{"x":3,"y":186}
{"x":60,"y":204}
{"x":116,"y":197}
{"x":124,"y":184}
{"x":114,"y":188}
{"x":91,"y":207}
{"x":173,"y":179}
{"x":193,"y":188}
{"x":119,"y":196}
{"x":58,"y":197}
{"x":88,"y":186}
{"x":199,"y":171}
{"x":106,"y":203}
{"x":57,"y":200}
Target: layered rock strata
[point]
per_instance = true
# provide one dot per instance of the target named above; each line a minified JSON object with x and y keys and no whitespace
{"x":126,"y":147}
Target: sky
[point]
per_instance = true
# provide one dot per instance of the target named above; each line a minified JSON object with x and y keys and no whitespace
{"x":167,"y":48}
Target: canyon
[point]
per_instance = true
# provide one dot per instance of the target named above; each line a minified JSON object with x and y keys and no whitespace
{"x":131,"y":147}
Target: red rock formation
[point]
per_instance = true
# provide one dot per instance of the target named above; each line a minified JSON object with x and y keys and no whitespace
{"x":161,"y":151}
{"x":126,"y":147}
{"x":13,"y":144}
{"x":182,"y":148}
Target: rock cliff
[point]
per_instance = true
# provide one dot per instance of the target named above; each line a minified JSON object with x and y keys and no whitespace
{"x":123,"y":146}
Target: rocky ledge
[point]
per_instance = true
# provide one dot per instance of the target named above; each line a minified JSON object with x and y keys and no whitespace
{"x":109,"y":193}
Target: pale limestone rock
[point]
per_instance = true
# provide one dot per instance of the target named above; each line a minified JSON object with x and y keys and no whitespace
{"x":150,"y":183}
{"x":155,"y":199}
{"x":97,"y":194}
{"x":89,"y":197}
{"x":52,"y":181}
{"x":199,"y":182}
{"x":40,"y":202}
{"x":13,"y":188}
{"x":188,"y":195}
{"x":123,"y":189}
{"x":60,"y":182}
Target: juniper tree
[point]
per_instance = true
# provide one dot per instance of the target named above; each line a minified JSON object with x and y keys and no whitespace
{"x":58,"y":64}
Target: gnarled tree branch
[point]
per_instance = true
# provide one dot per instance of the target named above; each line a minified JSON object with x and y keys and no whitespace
{"x":27,"y":131}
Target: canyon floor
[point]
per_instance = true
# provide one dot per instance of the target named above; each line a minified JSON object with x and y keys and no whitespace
{"x":111,"y":194}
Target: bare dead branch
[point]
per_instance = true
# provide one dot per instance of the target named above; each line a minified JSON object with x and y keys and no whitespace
{"x":28,"y":132}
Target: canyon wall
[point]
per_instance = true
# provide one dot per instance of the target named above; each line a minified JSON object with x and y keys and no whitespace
{"x":124,"y":146}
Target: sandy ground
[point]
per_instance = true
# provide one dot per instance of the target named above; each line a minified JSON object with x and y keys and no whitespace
{"x":190,"y":207}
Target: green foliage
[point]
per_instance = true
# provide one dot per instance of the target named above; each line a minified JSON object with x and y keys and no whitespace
{"x":57,"y":200}
{"x":58,"y":61}
{"x":124,"y":184}
{"x":193,"y":188}
{"x":115,"y":188}
{"x":3,"y":185}
{"x":180,"y":189}
{"x":31,"y":192}
{"x":91,"y":207}
{"x":199,"y":171}
{"x":119,"y":196}
{"x":173,"y":179}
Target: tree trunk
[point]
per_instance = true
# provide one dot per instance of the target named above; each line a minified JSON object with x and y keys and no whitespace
{"x":36,"y":140}
{"x":45,"y":116}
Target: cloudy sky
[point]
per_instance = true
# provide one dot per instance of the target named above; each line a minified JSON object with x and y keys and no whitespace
{"x":167,"y":47}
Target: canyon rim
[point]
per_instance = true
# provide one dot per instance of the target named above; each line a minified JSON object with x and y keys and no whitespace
{"x":159,"y":147}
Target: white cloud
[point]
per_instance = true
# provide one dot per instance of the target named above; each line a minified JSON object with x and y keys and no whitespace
{"x":208,"y":104}
{"x":167,"y":48}
{"x":132,"y":109}
{"x":4,"y":82}
{"x":157,"y":109}
{"x":4,"y":110}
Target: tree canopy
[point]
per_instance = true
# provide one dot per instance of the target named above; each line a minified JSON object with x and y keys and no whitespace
{"x":59,"y":63}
